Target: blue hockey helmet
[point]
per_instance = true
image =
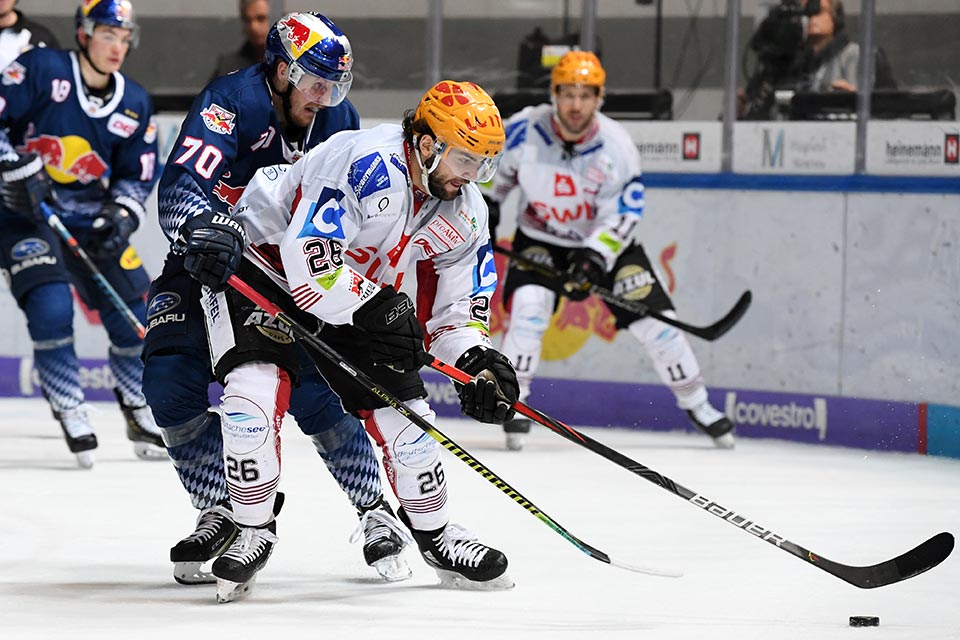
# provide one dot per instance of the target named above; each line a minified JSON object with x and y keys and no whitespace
{"x":317,"y":53}
{"x":113,"y":13}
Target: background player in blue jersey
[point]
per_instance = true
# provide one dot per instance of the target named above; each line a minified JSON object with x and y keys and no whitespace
{"x":266,"y":114}
{"x":76,"y":132}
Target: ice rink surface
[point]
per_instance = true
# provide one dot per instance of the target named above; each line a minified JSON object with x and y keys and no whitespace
{"x":84,"y":554}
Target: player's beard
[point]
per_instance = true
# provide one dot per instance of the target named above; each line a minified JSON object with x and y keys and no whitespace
{"x":439,"y":188}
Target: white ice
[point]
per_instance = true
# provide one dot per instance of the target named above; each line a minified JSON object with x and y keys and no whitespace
{"x":83,"y":554}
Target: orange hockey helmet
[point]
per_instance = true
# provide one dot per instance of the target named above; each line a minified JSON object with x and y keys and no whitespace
{"x":578,"y":67}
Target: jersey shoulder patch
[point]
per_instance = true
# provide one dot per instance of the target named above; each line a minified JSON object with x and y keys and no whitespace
{"x":368,"y":175}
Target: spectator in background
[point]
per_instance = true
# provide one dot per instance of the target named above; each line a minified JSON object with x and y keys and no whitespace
{"x":829,"y":60}
{"x":255,"y":15}
{"x":17,"y":34}
{"x":819,"y":57}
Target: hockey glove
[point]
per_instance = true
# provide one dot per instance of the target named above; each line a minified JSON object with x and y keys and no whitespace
{"x":494,"y":388}
{"x":111,"y":230}
{"x":395,"y":336}
{"x":25,"y":185}
{"x":493,"y":217}
{"x":587,"y":268}
{"x":212,"y":245}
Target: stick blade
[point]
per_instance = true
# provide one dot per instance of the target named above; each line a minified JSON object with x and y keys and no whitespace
{"x":914,"y":562}
{"x":728,"y":321}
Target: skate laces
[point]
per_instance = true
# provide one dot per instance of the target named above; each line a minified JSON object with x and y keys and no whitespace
{"x":705,"y":414}
{"x":250,"y":543}
{"x":209,"y":522}
{"x":76,"y":421}
{"x":460,"y":546}
{"x":377,"y":524}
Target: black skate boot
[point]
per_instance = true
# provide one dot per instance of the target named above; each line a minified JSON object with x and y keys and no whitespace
{"x":79,"y":434}
{"x":214,"y":533}
{"x":236,"y":570}
{"x":142,"y":431}
{"x":459,"y":559}
{"x":515,"y":431}
{"x":713,"y":423}
{"x":384,"y":539}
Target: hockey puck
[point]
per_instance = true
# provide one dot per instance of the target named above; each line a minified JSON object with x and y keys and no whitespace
{"x":864,"y":621}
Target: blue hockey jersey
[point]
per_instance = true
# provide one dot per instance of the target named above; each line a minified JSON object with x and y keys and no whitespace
{"x":93,"y":152}
{"x":231,"y":131}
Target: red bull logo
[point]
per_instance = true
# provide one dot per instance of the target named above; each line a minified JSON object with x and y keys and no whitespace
{"x":227,"y":194}
{"x":68,"y":159}
{"x":218,"y":119}
{"x":299,"y":35}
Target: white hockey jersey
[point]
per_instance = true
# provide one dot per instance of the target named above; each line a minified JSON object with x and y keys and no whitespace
{"x":586,"y":194}
{"x":342,"y":222}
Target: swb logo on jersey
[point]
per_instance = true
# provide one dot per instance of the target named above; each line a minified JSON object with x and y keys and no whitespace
{"x":563,"y":185}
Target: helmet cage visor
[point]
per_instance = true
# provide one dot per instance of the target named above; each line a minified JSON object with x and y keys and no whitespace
{"x":327,"y":92}
{"x":466,"y":164}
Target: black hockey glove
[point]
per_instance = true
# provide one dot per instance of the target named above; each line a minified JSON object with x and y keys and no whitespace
{"x":494,"y":388}
{"x":493,"y":217}
{"x":25,"y":185}
{"x":587,"y":268}
{"x":395,"y":336}
{"x":212,"y":245}
{"x":111,"y":230}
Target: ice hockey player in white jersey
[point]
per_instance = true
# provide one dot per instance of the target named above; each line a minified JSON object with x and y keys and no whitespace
{"x":331,"y":239}
{"x":581,"y":196}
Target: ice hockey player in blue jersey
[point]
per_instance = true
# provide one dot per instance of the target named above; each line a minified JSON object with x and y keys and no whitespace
{"x":78,"y":134}
{"x":266,"y":114}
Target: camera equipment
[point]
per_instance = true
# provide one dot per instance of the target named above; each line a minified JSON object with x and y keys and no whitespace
{"x":776,"y":42}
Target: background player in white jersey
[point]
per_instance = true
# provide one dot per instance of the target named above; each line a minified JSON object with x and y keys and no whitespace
{"x":18,"y":34}
{"x":331,"y":239}
{"x":581,"y":195}
{"x":72,"y":126}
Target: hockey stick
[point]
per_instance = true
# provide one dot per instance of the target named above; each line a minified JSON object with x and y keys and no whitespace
{"x":711,"y":332}
{"x":54,"y":221}
{"x":919,"y":559}
{"x":393,"y":402}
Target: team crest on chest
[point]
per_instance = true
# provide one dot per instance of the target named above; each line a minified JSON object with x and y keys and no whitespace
{"x":14,"y":74}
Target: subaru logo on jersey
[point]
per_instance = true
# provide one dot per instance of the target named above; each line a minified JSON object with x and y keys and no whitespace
{"x":29,"y":248}
{"x":631,"y":198}
{"x":162,"y":302}
{"x":368,"y":175}
{"x":323,"y":220}
{"x":485,"y":275}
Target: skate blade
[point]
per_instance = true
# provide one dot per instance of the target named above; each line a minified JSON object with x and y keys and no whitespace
{"x":393,"y":569}
{"x":148,"y":451}
{"x":453,"y":580}
{"x":725,"y":441}
{"x":192,"y":573}
{"x":228,"y":591}
{"x":85,"y":459}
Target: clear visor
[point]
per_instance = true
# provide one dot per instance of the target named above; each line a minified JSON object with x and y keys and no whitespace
{"x":467,"y":165}
{"x":328,"y":93}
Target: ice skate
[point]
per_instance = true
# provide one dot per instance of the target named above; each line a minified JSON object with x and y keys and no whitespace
{"x":236,"y":570}
{"x":713,"y":423}
{"x":384,"y":540}
{"x":516,"y":431}
{"x":214,"y":533}
{"x":79,"y":434}
{"x":142,"y":431}
{"x":460,"y":560}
